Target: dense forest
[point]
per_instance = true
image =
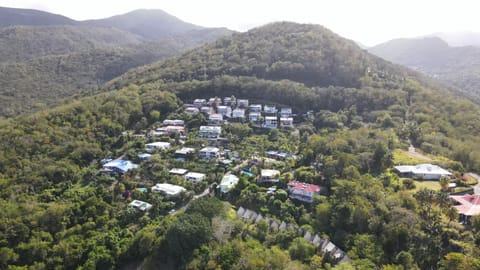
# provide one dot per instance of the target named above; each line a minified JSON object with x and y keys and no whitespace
{"x":60,"y":213}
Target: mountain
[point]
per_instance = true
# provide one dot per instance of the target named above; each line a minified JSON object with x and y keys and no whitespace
{"x":42,"y":64}
{"x":59,"y":212}
{"x":459,"y":39}
{"x":17,"y":16}
{"x":150,"y":24}
{"x":459,"y":66}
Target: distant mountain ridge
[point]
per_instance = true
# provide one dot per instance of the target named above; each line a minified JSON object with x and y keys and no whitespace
{"x":45,"y":57}
{"x":459,"y":66}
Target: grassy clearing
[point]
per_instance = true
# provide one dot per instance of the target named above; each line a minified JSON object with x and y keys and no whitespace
{"x":405,"y":158}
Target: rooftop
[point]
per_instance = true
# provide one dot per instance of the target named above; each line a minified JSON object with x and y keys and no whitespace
{"x":422,"y":169}
{"x":122,"y":165}
{"x":168,"y":189}
{"x":301,"y":186}
{"x":469,"y":205}
{"x":178,"y":171}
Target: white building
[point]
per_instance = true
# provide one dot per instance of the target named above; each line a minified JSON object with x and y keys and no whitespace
{"x":209,"y":152}
{"x":238,"y":115}
{"x":192,"y":110}
{"x":269,"y":176}
{"x":270,"y":122}
{"x":207,"y":110}
{"x":209,"y":132}
{"x":215,"y":119}
{"x":255,"y":108}
{"x":286,"y":122}
{"x":254,"y":116}
{"x":143,"y":206}
{"x":173,"y":122}
{"x":303,"y":191}
{"x":168,"y":189}
{"x":286,"y":112}
{"x":195,"y":177}
{"x":184,"y":152}
{"x":199,"y":102}
{"x":228,"y":182}
{"x":178,"y":171}
{"x":270,"y":109}
{"x":242,"y":103}
{"x":225,"y":111}
{"x":422,"y":171}
{"x":150,"y":147}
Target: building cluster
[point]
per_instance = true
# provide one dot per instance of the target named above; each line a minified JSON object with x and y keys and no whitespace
{"x":220,"y":111}
{"x":324,"y":245}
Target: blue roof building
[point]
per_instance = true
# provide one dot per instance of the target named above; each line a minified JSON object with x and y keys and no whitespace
{"x":120,"y":166}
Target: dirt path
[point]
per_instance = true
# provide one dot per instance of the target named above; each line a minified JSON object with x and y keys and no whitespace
{"x":412,"y":151}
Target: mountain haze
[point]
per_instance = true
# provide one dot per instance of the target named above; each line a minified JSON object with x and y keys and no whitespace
{"x":459,"y":66}
{"x":17,"y":16}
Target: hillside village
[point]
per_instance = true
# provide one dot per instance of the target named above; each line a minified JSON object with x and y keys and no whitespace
{"x":201,"y":155}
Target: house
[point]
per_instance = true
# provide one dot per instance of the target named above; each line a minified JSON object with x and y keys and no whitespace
{"x":285,"y":112}
{"x":238,"y":115}
{"x":229,"y":181}
{"x":422,"y":171}
{"x":215,"y":119}
{"x":278,"y":155}
{"x":209,"y":132}
{"x":255,"y":108}
{"x":254,"y":116}
{"x":185,"y":152}
{"x":168,"y":189}
{"x":194,"y":177}
{"x":174,"y":122}
{"x":225,"y":111}
{"x":270,"y":110}
{"x":119,"y":166}
{"x":143,"y":206}
{"x":209,"y":152}
{"x":214,"y":101}
{"x":207,"y":110}
{"x":144,"y":156}
{"x":199,"y":102}
{"x":286,"y":122}
{"x":178,"y":172}
{"x":242,"y":103}
{"x":270,"y":122}
{"x":467,"y":206}
{"x":169,"y":130}
{"x":227,"y":101}
{"x":303,"y":191}
{"x":192,"y":110}
{"x":150,"y":147}
{"x":268,"y":176}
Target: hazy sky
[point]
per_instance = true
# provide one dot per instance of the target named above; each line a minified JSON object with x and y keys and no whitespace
{"x":367,"y":21}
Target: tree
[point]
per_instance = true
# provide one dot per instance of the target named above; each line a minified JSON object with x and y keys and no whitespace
{"x":187,"y":233}
{"x":444,"y":181}
{"x":300,"y":249}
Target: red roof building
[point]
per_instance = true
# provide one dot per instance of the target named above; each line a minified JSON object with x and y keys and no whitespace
{"x":303,"y":191}
{"x":467,"y":205}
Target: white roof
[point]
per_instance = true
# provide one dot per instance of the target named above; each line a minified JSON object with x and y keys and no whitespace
{"x":158,"y":144}
{"x":210,"y":149}
{"x":270,"y":118}
{"x":195,"y":175}
{"x":178,"y":171}
{"x":286,"y":119}
{"x":185,"y":150}
{"x":140,"y":205}
{"x":422,"y":169}
{"x":210,"y":129}
{"x":269,"y":173}
{"x":228,"y":182}
{"x":168,"y":189}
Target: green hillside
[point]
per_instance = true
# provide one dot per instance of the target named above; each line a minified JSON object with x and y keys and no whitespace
{"x":61,"y":213}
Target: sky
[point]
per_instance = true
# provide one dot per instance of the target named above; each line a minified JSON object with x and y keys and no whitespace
{"x":366,"y":21}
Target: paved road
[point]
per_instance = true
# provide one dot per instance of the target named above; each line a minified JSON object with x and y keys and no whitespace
{"x":476,"y":188}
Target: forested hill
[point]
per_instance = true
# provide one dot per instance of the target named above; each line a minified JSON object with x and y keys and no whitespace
{"x":459,"y":66}
{"x":308,"y":54}
{"x":42,"y":64}
{"x":18,"y":16}
{"x":311,"y":68}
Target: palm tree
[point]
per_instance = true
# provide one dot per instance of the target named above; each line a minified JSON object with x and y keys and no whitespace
{"x":444,"y":181}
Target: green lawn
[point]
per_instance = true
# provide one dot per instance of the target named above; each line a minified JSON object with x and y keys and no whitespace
{"x":405,"y":158}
